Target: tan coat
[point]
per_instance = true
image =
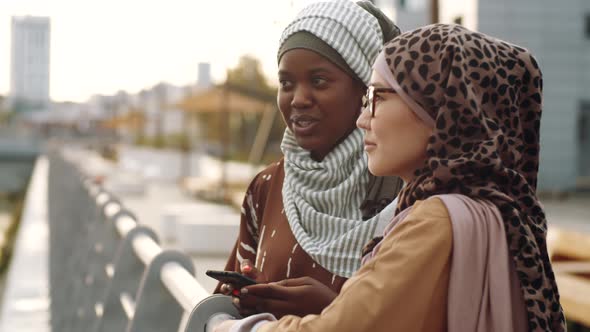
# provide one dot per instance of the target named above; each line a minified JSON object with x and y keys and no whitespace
{"x":404,"y":288}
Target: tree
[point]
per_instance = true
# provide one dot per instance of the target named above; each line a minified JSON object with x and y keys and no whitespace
{"x":248,"y":77}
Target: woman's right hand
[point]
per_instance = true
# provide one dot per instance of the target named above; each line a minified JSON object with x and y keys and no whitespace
{"x":247,"y":269}
{"x":299,"y":296}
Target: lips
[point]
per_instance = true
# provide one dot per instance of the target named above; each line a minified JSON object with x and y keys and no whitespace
{"x":304,"y":124}
{"x":369,"y":145}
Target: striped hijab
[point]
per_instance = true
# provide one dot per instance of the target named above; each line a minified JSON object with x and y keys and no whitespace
{"x":322,"y":199}
{"x":346,"y":27}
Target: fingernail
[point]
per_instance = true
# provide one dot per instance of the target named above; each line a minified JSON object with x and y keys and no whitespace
{"x":244,"y":290}
{"x":235,"y":292}
{"x":247,"y":268}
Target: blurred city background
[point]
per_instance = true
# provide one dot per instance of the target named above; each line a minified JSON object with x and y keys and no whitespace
{"x":171,"y":107}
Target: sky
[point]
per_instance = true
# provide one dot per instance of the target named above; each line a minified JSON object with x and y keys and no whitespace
{"x":103,"y":46}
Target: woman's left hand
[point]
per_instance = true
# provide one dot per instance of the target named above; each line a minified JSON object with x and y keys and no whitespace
{"x":300,"y":297}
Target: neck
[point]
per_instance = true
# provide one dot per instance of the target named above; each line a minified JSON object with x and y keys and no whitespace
{"x":318,"y":155}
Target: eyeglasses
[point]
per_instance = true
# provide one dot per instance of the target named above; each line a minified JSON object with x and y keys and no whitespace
{"x":369,"y":97}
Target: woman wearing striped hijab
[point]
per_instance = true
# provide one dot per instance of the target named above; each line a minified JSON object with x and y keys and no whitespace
{"x":306,"y":217}
{"x":456,"y":114}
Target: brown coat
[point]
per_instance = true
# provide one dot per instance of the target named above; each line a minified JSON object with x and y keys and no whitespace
{"x":403,"y":288}
{"x":265,"y":236}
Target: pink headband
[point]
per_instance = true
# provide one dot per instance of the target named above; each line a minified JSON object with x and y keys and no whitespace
{"x":382,"y":68}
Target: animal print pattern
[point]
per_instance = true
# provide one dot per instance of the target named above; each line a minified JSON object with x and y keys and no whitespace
{"x":484,"y":96}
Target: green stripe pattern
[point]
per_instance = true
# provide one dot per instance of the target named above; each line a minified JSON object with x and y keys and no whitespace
{"x":322,"y":201}
{"x":346,"y":27}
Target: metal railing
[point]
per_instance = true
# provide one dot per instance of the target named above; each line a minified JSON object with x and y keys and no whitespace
{"x":109,"y":273}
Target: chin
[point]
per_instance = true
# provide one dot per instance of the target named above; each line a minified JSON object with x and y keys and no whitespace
{"x":375,"y":169}
{"x":307,"y":143}
{"x":306,"y":147}
{"x":379,"y":169}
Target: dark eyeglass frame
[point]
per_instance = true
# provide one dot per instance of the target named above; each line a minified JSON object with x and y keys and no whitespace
{"x":369,"y":97}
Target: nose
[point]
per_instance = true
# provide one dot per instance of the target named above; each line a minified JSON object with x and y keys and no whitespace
{"x":301,"y":97}
{"x":364,"y":120}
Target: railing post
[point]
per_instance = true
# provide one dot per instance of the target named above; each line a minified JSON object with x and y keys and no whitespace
{"x":103,"y":241}
{"x":156,"y":309}
{"x":109,"y":274}
{"x":126,"y":271}
{"x":90,"y":282}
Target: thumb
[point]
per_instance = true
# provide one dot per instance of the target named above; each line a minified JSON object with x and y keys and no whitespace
{"x":248,"y":269}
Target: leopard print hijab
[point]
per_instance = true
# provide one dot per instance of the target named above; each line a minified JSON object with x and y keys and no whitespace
{"x":482,"y":96}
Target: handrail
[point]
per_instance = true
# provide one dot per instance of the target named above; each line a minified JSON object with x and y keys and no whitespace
{"x":145,"y":248}
{"x":102,"y":198}
{"x":124,"y":225}
{"x":183,"y":286}
{"x":179,"y":282}
{"x":111,"y":209}
{"x":127,"y":277}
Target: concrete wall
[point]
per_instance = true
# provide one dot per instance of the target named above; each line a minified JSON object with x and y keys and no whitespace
{"x":554,"y":32}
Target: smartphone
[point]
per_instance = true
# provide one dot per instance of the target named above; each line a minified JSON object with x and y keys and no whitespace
{"x":231,"y":277}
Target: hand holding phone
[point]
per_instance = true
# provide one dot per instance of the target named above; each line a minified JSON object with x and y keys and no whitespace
{"x":231,"y":277}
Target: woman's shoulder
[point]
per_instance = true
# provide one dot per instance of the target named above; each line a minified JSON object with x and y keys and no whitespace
{"x":269,"y":174}
{"x":430,"y":208}
{"x":425,"y":219}
{"x":458,"y":204}
{"x":441,"y":204}
{"x":265,"y":184}
{"x":425,"y":228}
{"x":269,"y":171}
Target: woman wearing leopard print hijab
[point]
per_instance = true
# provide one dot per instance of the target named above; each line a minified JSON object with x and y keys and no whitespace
{"x":482,"y":98}
{"x":456,"y":114}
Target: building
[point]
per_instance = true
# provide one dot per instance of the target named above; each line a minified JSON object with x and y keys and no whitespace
{"x":204,"y":76}
{"x":558,"y":34}
{"x":162,"y":117}
{"x":29,"y":72}
{"x":410,"y":14}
